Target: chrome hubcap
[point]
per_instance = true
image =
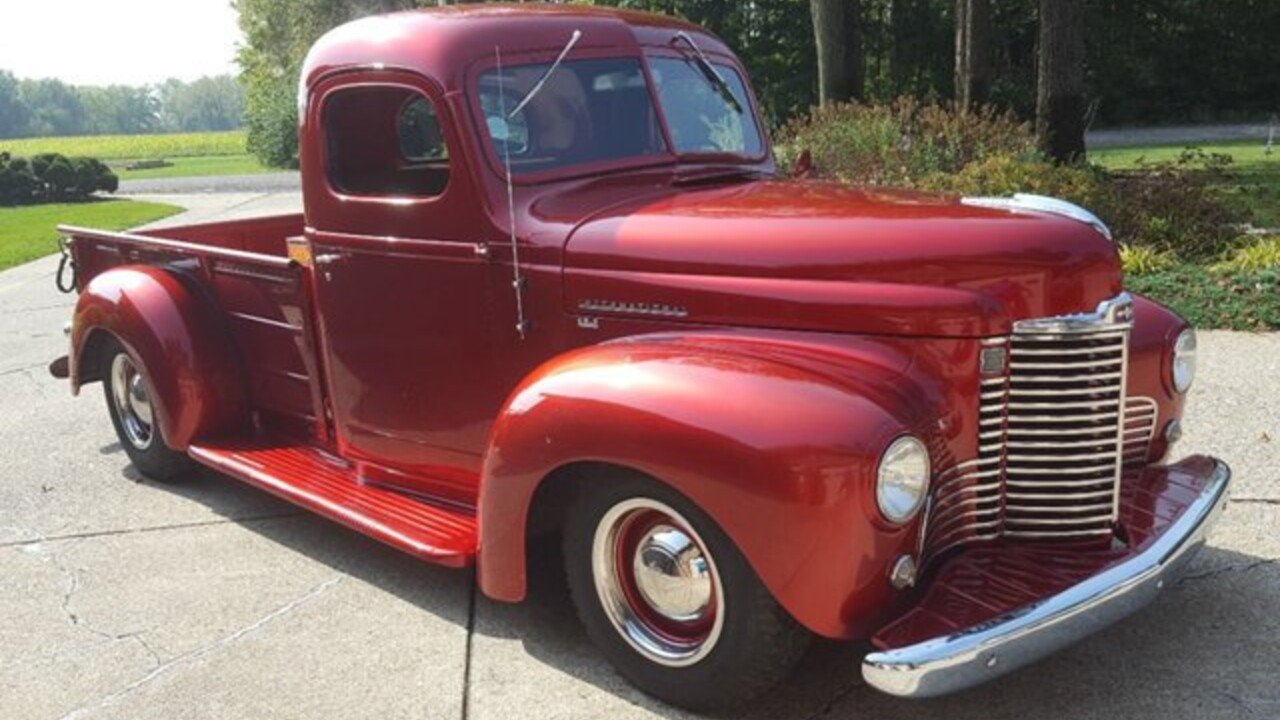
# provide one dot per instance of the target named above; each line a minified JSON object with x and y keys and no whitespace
{"x":672,"y":574}
{"x":132,"y":401}
{"x":657,"y":583}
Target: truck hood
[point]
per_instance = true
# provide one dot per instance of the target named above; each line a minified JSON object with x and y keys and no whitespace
{"x":821,"y":256}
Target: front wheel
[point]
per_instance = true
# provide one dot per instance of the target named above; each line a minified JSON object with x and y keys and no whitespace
{"x":669,"y":599}
{"x":129,"y":401}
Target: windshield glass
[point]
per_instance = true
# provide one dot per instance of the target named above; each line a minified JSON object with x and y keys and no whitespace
{"x":701,"y":119}
{"x":588,"y":111}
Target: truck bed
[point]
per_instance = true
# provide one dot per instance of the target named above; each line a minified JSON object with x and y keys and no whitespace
{"x":262,"y":235}
{"x":265,"y":297}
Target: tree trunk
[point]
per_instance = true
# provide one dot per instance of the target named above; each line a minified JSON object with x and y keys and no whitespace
{"x":837,"y":28}
{"x":973,"y":52}
{"x":1060,"y":92}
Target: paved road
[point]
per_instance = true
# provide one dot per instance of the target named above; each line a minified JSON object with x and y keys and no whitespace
{"x":122,"y":598}
{"x":1174,"y":134}
{"x":275,"y":182}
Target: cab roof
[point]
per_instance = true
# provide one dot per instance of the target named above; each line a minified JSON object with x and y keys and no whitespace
{"x":443,"y":42}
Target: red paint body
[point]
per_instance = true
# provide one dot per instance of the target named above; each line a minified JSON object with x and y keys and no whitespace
{"x":816,"y":324}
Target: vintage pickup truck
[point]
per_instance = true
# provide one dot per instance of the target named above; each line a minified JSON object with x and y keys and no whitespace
{"x":549,"y":287}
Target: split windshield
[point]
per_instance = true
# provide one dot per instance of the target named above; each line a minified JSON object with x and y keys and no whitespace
{"x":599,"y":110}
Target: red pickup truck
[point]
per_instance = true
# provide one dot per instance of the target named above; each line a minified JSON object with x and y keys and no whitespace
{"x":549,"y":287}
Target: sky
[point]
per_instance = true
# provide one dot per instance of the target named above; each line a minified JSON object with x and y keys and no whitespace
{"x":128,"y":42}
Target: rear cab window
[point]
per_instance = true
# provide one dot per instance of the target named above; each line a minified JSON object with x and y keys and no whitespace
{"x":385,"y":141}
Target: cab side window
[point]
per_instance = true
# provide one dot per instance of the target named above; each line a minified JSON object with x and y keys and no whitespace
{"x":385,"y":141}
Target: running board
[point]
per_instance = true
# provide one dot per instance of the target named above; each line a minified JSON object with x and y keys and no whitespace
{"x":329,"y":486}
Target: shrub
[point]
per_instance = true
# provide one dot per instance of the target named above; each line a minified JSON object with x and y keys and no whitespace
{"x":1174,"y":209}
{"x":1000,"y":175}
{"x":1176,"y":206}
{"x":1261,"y":253}
{"x":1143,"y":260}
{"x":899,"y":143}
{"x":50,"y":177}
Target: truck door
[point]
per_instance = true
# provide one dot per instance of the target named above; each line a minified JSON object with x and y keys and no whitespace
{"x":404,"y":297}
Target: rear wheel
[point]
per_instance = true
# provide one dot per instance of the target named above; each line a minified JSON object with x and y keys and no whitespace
{"x":670,"y":601}
{"x":129,"y":401}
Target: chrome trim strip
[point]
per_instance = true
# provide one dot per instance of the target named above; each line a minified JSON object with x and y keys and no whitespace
{"x":1112,"y":315}
{"x":1058,"y":534}
{"x":623,"y":307}
{"x":949,"y":663}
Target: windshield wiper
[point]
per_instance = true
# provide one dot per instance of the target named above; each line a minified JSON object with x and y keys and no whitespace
{"x":712,"y":75}
{"x":537,"y":87}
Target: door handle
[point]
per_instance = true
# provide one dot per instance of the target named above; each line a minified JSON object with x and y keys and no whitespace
{"x":329,"y":258}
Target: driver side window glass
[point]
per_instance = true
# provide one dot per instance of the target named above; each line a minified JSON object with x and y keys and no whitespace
{"x":385,"y":141}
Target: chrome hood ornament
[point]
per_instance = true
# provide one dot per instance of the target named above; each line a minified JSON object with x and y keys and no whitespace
{"x":1024,"y":202}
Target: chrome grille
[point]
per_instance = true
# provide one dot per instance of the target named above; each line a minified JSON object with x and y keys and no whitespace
{"x":1054,"y":429}
{"x":1062,"y":431}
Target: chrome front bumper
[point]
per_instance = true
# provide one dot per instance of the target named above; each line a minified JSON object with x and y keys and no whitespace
{"x":953,"y":662}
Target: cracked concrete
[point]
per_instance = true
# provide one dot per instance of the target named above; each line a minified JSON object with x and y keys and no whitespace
{"x":164,"y":666}
{"x":122,"y":598}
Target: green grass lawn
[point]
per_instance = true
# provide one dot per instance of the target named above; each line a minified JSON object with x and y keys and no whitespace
{"x":1258,"y":180}
{"x":29,"y":232}
{"x":198,"y":166}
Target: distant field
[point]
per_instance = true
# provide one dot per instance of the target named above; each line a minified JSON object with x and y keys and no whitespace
{"x":29,"y":232}
{"x":1258,"y":173}
{"x":191,"y":154}
{"x":133,"y":147}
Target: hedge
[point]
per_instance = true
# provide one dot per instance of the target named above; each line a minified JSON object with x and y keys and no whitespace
{"x":50,"y":177}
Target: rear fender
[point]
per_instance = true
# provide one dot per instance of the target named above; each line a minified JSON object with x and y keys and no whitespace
{"x":779,"y":452}
{"x":178,"y":335}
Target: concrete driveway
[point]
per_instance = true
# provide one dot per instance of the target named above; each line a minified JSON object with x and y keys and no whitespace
{"x":122,"y":598}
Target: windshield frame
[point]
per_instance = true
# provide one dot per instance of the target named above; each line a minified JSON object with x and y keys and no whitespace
{"x":666,"y":158}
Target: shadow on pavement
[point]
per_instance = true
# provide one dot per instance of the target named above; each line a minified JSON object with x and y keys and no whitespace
{"x":1159,"y":658}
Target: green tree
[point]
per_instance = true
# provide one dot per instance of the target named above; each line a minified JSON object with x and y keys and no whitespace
{"x":973,"y":51}
{"x":119,"y":109}
{"x":55,"y":107}
{"x":278,"y":34}
{"x":837,"y":30}
{"x":207,"y":104}
{"x":1060,"y":90}
{"x":14,"y":114}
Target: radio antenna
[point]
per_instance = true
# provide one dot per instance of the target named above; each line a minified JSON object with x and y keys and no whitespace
{"x":517,"y":281}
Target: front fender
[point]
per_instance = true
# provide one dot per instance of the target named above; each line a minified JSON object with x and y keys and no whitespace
{"x":179,"y":337}
{"x":778,"y":448}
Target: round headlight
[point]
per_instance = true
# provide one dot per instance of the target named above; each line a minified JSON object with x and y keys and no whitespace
{"x":902,"y":479}
{"x":1184,"y":360}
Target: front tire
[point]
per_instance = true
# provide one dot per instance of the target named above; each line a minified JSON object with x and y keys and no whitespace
{"x":670,"y":600}
{"x":129,"y":402}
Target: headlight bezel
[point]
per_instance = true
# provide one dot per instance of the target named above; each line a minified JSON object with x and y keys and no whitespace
{"x":897,"y":501}
{"x":1182,"y":361}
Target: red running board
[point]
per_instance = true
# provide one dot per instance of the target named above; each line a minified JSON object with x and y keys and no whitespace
{"x":329,"y":486}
